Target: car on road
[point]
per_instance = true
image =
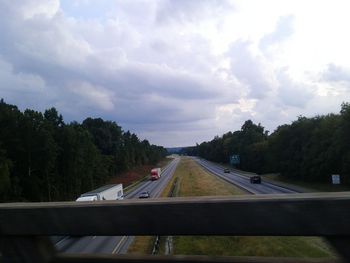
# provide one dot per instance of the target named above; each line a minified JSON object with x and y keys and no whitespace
{"x":226,"y":170}
{"x":256,"y":179}
{"x":144,"y":195}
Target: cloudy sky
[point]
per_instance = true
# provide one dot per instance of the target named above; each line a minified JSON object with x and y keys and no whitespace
{"x":176,"y":72}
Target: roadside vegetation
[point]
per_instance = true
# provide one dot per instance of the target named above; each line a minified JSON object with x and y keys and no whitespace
{"x":42,"y":158}
{"x":304,"y":247}
{"x":306,"y":186}
{"x":134,"y":176}
{"x":194,"y":181}
{"x":307,"y":150}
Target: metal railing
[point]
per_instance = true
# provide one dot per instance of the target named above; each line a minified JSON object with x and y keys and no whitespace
{"x":25,"y":227}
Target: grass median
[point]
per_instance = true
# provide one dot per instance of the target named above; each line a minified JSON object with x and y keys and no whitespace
{"x":144,"y":244}
{"x":195,"y":181}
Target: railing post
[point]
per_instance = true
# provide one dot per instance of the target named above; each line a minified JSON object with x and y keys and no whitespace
{"x":26,"y":249}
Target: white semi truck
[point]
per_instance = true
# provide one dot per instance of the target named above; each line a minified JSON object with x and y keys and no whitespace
{"x":107,"y":192}
{"x":156,"y":173}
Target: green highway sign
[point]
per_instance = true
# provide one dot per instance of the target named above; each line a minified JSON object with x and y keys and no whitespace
{"x":234,"y":159}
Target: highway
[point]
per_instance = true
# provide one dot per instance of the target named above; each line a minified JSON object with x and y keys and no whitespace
{"x":117,"y":244}
{"x":242,"y":181}
{"x":120,"y":244}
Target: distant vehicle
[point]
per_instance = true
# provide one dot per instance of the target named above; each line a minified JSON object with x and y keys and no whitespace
{"x":256,"y":179}
{"x":144,"y":195}
{"x":107,"y":192}
{"x":155,"y":174}
{"x":226,"y":170}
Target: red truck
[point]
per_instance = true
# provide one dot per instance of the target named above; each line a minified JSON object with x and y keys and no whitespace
{"x":155,"y":174}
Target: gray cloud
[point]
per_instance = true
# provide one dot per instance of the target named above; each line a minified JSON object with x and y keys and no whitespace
{"x":149,"y":66}
{"x":292,"y":93}
{"x":250,"y":69}
{"x":50,"y":60}
{"x":335,"y":73}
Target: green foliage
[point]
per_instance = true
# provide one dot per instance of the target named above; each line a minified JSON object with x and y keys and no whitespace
{"x":308,"y":149}
{"x":250,"y":143}
{"x":44,"y":159}
{"x":5,"y":183}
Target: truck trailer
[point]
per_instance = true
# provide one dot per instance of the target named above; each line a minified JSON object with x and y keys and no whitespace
{"x":155,"y":174}
{"x":107,"y":192}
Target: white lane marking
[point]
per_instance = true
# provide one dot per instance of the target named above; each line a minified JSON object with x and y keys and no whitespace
{"x":93,"y":237}
{"x":119,"y":244}
{"x":62,"y":240}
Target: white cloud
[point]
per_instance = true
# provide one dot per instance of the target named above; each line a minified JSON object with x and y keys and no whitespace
{"x":184,"y":11}
{"x":33,"y":8}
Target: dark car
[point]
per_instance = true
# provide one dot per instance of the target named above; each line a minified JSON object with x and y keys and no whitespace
{"x":256,"y":179}
{"x":144,"y":195}
{"x":226,"y":170}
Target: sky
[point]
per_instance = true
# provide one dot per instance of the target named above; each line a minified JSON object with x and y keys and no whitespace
{"x":176,"y":72}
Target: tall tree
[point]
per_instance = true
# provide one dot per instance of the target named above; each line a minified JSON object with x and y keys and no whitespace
{"x":308,"y":149}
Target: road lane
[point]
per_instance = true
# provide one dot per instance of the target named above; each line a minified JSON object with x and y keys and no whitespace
{"x":242,"y":181}
{"x":117,"y":244}
{"x":155,"y":189}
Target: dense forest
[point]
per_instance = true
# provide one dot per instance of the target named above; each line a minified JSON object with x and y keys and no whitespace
{"x":308,"y":149}
{"x":44,"y":159}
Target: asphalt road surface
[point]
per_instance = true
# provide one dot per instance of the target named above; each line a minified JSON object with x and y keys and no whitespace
{"x":116,"y":244}
{"x":242,"y":181}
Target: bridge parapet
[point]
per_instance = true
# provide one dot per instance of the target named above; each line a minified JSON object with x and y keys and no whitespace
{"x":24,"y":227}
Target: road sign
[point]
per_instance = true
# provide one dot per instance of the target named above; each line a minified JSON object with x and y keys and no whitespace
{"x":335,"y":179}
{"x":234,"y":159}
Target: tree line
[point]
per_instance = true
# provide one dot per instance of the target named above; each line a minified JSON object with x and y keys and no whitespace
{"x":44,"y":159}
{"x":308,"y":149}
